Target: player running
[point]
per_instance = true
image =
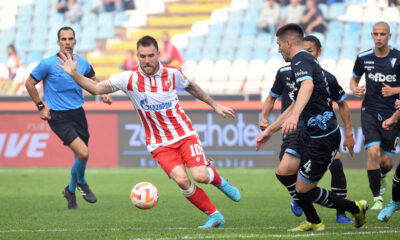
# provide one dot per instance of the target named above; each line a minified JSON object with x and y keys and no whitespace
{"x":284,"y":88}
{"x":381,"y":68}
{"x":170,"y":137}
{"x":320,"y":136}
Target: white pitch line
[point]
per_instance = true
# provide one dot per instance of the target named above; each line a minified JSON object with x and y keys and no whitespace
{"x":382,"y":229}
{"x":268,"y":236}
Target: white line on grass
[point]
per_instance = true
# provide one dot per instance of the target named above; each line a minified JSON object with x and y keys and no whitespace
{"x":382,"y":229}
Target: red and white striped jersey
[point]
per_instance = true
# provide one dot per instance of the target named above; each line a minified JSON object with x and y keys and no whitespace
{"x":156,"y":102}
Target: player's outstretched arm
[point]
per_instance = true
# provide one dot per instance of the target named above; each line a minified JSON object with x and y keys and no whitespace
{"x":388,"y":91}
{"x":105,"y":97}
{"x":358,"y":91}
{"x":266,"y":110}
{"x":198,"y":93}
{"x":264,"y":136}
{"x":391,"y":122}
{"x":69,"y":66}
{"x":348,"y":143}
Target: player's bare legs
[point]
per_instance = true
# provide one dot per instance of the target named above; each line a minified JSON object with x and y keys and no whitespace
{"x":208,"y":175}
{"x":287,"y":175}
{"x":197,"y":196}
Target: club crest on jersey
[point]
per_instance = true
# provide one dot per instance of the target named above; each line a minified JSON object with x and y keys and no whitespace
{"x":154,"y":107}
{"x":393,"y":61}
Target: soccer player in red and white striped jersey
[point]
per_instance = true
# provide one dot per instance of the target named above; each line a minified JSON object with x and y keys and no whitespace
{"x":170,"y":137}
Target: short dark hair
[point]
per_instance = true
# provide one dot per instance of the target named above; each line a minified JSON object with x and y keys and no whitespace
{"x":64,"y":29}
{"x":147,"y":41}
{"x":315,"y":40}
{"x":292,"y":29}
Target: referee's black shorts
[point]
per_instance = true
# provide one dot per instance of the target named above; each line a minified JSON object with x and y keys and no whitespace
{"x":69,"y":125}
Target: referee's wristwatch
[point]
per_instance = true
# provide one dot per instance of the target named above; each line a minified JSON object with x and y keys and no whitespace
{"x":40,"y":105}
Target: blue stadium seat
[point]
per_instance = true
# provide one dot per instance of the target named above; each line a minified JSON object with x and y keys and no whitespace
{"x":353,"y":27}
{"x":230,"y":40}
{"x":8,"y":34}
{"x":192,"y":54}
{"x":367,"y":27}
{"x":261,"y":52}
{"x":236,"y":16}
{"x":56,"y":20}
{"x":255,"y":4}
{"x":196,"y":42}
{"x":105,"y":18}
{"x":25,"y":10}
{"x":351,"y":39}
{"x":120,"y":18}
{"x":324,"y":9}
{"x":212,"y":41}
{"x":22,"y":44}
{"x":34,"y":56}
{"x":333,"y":40}
{"x":209,"y":54}
{"x":252,"y":14}
{"x":348,"y":52}
{"x":335,"y":10}
{"x":247,"y":42}
{"x":86,"y":44}
{"x":264,"y":39}
{"x":233,"y":28}
{"x":335,"y":27}
{"x":330,"y":53}
{"x":106,"y":31}
{"x":244,"y":53}
{"x":366,"y":41}
{"x":38,"y":43}
{"x":88,"y":19}
{"x":249,"y":28}
{"x":227,"y":53}
{"x":216,"y":29}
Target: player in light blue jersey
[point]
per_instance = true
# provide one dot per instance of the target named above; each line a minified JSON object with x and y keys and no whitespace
{"x":381,"y":67}
{"x":62,"y":108}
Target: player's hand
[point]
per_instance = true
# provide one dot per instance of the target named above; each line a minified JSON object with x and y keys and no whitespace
{"x":223,"y":111}
{"x":45,"y":114}
{"x":106,"y":99}
{"x":389,"y":123}
{"x":388,"y":91}
{"x":348,"y":144}
{"x":397,"y":104}
{"x":263,"y":138}
{"x":263,"y":124}
{"x":359,"y":91}
{"x":68,"y":64}
{"x":290,"y":125}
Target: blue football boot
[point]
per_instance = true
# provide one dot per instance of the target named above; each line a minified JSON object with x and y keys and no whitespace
{"x":231,"y":191}
{"x":215,"y":220}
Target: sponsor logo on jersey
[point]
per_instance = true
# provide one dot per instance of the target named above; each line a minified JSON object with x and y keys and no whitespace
{"x":300,"y":72}
{"x":379,"y":77}
{"x":154,"y":107}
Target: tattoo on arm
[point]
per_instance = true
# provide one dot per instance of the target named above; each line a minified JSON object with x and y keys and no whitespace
{"x":198,"y":93}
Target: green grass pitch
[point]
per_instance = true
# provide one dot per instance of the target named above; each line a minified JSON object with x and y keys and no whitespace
{"x":32,"y":207}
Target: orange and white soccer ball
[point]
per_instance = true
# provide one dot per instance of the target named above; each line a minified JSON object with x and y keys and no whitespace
{"x":144,"y":195}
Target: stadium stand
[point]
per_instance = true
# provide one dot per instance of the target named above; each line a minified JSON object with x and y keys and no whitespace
{"x":218,"y":39}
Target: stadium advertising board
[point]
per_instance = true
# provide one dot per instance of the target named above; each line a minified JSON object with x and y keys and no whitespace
{"x":27,"y":141}
{"x":230,"y":142}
